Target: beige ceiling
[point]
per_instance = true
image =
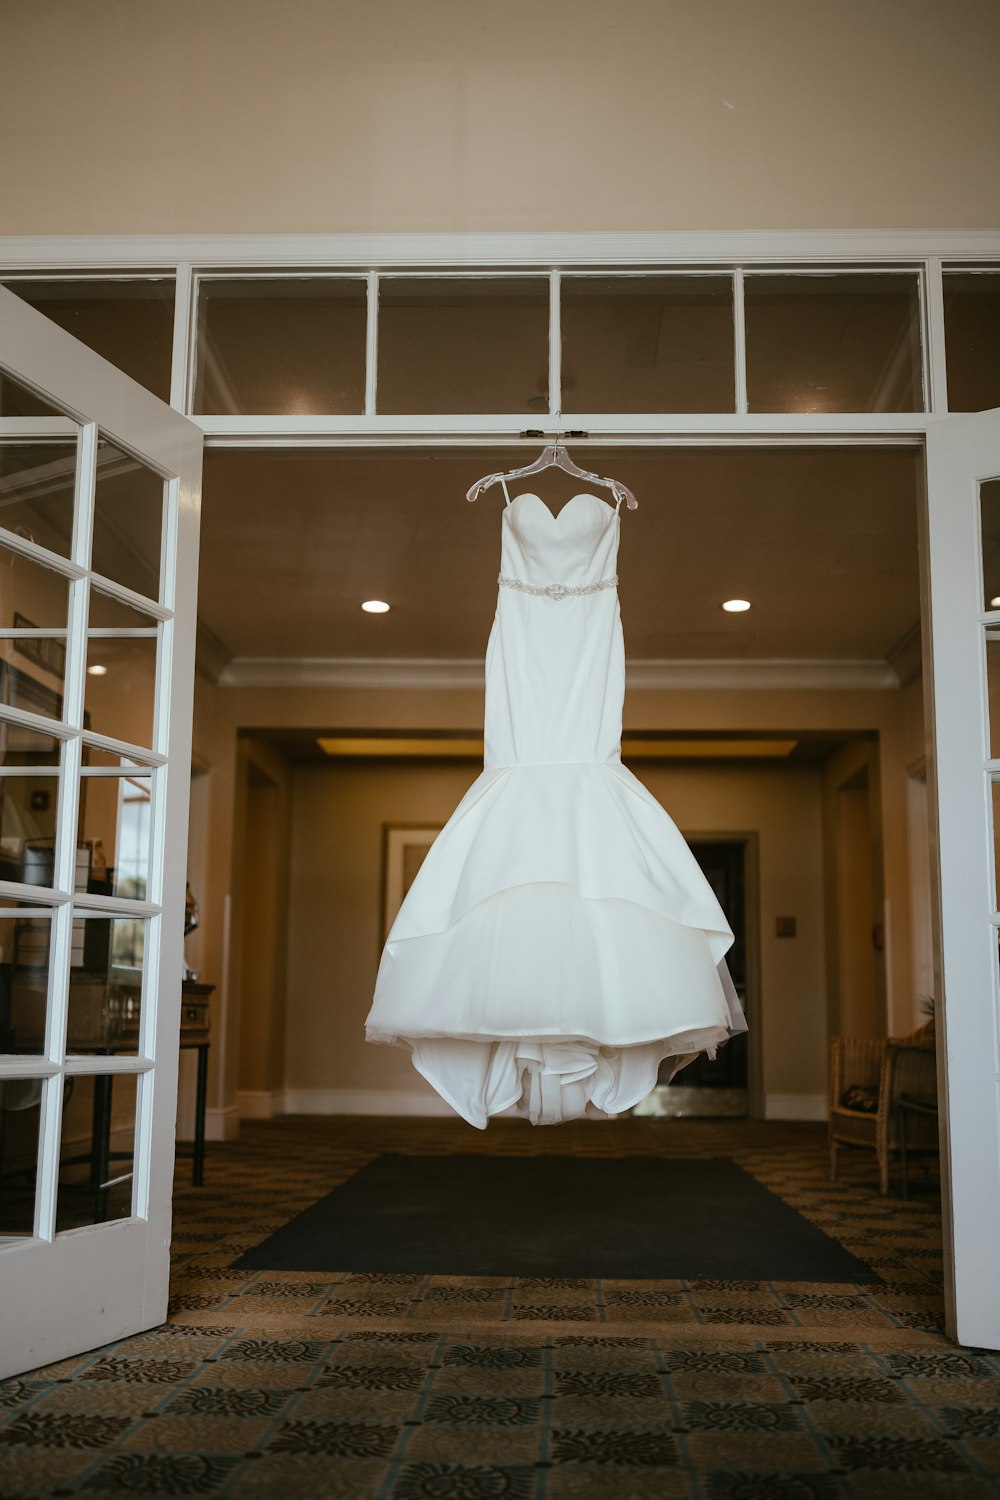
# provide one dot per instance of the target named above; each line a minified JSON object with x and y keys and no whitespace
{"x":822,"y":540}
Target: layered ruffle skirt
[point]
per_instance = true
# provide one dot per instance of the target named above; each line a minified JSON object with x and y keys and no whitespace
{"x":558,"y":944}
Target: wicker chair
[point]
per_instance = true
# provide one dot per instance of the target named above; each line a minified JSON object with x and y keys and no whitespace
{"x":894,"y":1066}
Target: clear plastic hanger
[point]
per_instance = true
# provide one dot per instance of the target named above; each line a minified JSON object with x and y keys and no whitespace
{"x":554,"y":455}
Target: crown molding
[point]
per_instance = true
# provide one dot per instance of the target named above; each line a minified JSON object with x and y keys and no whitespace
{"x":494,"y":249}
{"x":773,"y":675}
{"x":906,"y":656}
{"x":211,"y":656}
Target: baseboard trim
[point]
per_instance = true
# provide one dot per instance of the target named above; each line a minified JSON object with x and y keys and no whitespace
{"x":222,"y":1124}
{"x":257,"y":1104}
{"x":360,"y":1102}
{"x":795,"y":1107}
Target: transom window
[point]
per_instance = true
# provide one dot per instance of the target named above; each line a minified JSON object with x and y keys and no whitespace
{"x":536,"y":342}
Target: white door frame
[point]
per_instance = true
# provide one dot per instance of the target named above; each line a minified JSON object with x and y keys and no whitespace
{"x":61,"y":1293}
{"x":930,"y":253}
{"x":961,"y":452}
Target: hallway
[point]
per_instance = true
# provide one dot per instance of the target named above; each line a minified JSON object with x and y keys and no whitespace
{"x":361,"y":1384}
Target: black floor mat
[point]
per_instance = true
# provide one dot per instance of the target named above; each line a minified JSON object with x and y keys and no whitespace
{"x":632,"y":1218}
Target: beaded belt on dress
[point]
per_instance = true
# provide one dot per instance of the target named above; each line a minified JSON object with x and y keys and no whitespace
{"x":558,"y":590}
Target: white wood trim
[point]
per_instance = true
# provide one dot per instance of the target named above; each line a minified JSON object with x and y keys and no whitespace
{"x":222,"y":1124}
{"x":641,"y":676}
{"x":371,"y":344}
{"x":795,"y":1107}
{"x":555,"y":347}
{"x":740,"y":344}
{"x":961,"y":451}
{"x":257,"y":1104}
{"x":182,"y":347}
{"x":361,"y":251}
{"x":680,"y":427}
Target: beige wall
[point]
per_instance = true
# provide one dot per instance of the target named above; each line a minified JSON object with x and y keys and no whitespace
{"x":251,"y":115}
{"x":335,"y":901}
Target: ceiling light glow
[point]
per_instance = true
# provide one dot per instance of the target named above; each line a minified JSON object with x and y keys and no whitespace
{"x":97,"y":671}
{"x":375,"y":607}
{"x":995,"y":602}
{"x":736,"y":606}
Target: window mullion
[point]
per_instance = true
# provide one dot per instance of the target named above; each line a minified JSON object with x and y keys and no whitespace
{"x":555,"y":344}
{"x":740,"y":342}
{"x":935,"y":362}
{"x":371,"y":345}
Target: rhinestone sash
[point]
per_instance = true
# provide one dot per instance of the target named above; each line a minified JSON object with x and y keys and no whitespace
{"x":557,"y":590}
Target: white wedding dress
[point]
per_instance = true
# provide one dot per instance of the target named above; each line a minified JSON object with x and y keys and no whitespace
{"x":559,"y":940}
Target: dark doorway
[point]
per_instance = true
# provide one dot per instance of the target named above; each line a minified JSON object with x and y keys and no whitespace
{"x":719,"y":1086}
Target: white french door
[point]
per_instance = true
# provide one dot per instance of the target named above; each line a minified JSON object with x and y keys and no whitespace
{"x":99,"y":516}
{"x":963,"y":477}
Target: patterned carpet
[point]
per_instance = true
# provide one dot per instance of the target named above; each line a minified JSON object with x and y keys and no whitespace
{"x":453,"y":1388}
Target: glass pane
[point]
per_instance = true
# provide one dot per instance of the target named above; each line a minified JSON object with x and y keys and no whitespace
{"x":114,"y":825}
{"x":28,"y":806}
{"x":25,"y":747}
{"x":833,"y":343}
{"x":128,"y":520}
{"x":290,"y":347}
{"x":21,"y":1113}
{"x":40,"y":689}
{"x":32,"y":597}
{"x":469,"y":345}
{"x":121,"y":673}
{"x":16,"y":400}
{"x":25,"y":949}
{"x":989,"y":517}
{"x":97,"y":1150}
{"x":129,"y":322}
{"x":993,"y":690}
{"x":105,"y":989}
{"x":36,"y":491}
{"x":972,"y":339}
{"x":995,"y":804}
{"x":647,"y":343}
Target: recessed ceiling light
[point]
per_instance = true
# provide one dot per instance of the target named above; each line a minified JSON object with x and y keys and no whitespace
{"x":97,"y":671}
{"x":736,"y":606}
{"x":375,"y":607}
{"x":995,"y":602}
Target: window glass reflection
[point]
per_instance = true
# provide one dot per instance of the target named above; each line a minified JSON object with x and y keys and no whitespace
{"x":121,"y":671}
{"x":128,"y":520}
{"x":97,"y":1150}
{"x":25,"y":954}
{"x":105,"y":991}
{"x":293,"y":347}
{"x":130,"y":321}
{"x":32,"y":597}
{"x":647,"y":343}
{"x":21,"y":1112}
{"x":115,"y":827}
{"x":989,"y":518}
{"x":993,"y":691}
{"x":28,"y":808}
{"x":833,"y":343}
{"x":16,"y":400}
{"x":972,"y":338}
{"x":36,"y":491}
{"x":463,"y":345}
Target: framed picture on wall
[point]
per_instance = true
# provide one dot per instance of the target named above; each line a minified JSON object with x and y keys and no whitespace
{"x":404,"y":847}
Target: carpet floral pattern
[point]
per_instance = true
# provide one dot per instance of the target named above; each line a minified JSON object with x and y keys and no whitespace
{"x":400,"y":1387}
